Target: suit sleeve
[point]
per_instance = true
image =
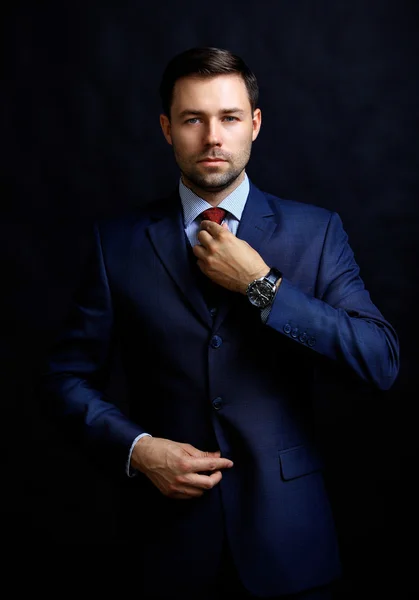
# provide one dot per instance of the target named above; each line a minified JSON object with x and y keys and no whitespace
{"x":340,"y":321}
{"x":73,"y":385}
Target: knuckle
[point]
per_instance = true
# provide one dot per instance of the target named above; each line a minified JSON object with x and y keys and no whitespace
{"x":218,"y":477}
{"x":184,"y":465}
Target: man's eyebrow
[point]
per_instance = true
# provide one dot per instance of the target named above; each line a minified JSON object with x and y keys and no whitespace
{"x":224,"y":111}
{"x":236,"y":111}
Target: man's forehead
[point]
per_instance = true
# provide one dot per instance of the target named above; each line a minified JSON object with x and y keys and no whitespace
{"x":208,"y":88}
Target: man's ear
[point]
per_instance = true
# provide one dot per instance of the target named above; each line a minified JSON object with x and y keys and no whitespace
{"x":166,"y":128}
{"x":256,"y":123}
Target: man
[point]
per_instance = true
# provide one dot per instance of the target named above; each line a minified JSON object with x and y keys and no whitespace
{"x":221,"y":328}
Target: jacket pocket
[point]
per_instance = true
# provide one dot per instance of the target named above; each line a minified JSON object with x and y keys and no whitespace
{"x":299,"y":461}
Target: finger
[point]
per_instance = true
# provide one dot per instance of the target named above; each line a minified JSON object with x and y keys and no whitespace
{"x":210,"y":226}
{"x":205,"y":482}
{"x":210,"y":464}
{"x":199,"y":250}
{"x":204,"y":237}
{"x":213,"y":229}
{"x":188,"y":494}
{"x":201,"y":459}
{"x":195,"y":485}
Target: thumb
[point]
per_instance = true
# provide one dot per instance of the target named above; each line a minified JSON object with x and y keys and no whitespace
{"x":192,"y":451}
{"x":215,"y":454}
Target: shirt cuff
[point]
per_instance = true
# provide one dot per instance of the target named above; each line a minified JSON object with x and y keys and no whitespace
{"x":129,"y":470}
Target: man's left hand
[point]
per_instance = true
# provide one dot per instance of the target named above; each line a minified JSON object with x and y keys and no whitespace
{"x":226,"y":259}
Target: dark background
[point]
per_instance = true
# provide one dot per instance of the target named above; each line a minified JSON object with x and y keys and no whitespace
{"x":80,"y":139}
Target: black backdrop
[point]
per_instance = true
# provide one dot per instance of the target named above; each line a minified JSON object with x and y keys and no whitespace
{"x":80,"y":139}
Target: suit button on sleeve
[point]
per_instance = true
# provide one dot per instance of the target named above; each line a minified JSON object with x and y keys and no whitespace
{"x":287,"y":328}
{"x":303,"y":337}
{"x":294,"y":332}
{"x":311,"y":341}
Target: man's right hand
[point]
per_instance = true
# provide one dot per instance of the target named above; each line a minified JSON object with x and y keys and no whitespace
{"x":177,"y":469}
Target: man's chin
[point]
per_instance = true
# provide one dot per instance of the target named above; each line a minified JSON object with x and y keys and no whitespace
{"x":210,"y":184}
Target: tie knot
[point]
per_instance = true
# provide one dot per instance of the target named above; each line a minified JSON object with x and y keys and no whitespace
{"x":214,"y":214}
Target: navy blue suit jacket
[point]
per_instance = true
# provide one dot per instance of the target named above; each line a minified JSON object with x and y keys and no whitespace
{"x":230,"y":383}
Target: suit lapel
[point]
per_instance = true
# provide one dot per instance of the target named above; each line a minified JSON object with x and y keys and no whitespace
{"x":168,"y":238}
{"x":167,"y":235}
{"x":257,"y":225}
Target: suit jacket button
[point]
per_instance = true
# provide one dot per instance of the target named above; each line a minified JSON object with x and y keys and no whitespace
{"x":287,"y":328}
{"x":216,"y":341}
{"x":294,"y":332}
{"x":217,"y":403}
{"x":303,"y":337}
{"x":311,"y":341}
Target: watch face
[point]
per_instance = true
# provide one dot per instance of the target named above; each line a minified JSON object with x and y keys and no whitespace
{"x":260,"y":294}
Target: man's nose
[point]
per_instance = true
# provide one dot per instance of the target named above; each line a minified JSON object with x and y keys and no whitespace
{"x":213,"y":136}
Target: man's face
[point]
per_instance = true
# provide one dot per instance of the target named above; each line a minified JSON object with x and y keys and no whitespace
{"x":211,"y":118}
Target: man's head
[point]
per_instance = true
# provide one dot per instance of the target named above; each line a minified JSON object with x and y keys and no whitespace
{"x":209,"y":99}
{"x":205,"y":63}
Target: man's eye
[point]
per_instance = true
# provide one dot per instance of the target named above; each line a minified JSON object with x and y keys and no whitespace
{"x":231,"y":119}
{"x":193,"y":120}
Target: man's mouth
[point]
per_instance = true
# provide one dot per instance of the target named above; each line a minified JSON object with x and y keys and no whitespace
{"x":212,"y":160}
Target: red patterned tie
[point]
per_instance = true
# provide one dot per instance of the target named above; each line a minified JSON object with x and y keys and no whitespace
{"x":214,"y":214}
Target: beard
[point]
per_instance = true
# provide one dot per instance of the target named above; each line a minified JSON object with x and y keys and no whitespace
{"x":213,"y":179}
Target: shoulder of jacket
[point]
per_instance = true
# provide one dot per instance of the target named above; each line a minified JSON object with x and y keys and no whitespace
{"x":297,"y":208}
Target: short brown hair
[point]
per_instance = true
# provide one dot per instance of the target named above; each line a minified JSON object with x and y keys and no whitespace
{"x":205,"y":62}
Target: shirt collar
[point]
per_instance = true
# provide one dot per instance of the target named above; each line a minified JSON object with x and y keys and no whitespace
{"x":193,"y":205}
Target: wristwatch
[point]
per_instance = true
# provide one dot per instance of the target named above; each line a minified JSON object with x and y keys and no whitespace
{"x":261,"y":292}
